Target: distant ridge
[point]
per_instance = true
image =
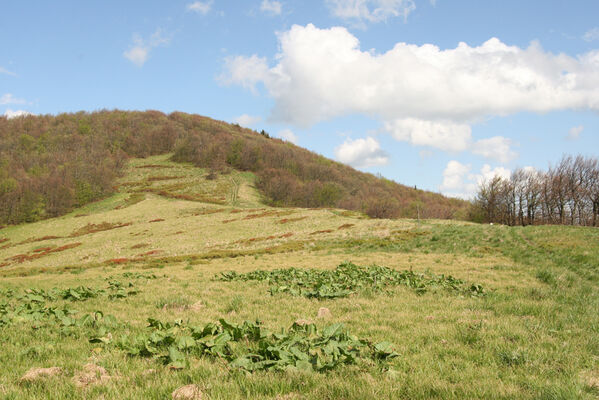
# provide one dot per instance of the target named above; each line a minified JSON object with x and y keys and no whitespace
{"x":50,"y":165}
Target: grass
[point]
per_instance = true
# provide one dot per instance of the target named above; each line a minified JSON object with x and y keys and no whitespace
{"x":534,"y":335}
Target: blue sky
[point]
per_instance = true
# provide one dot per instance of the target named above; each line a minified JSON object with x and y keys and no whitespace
{"x":438,"y":94}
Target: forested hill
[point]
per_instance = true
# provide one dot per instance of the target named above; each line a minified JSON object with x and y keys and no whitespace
{"x":50,"y":165}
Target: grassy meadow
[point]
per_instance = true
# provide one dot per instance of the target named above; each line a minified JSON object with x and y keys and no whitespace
{"x":170,"y":231}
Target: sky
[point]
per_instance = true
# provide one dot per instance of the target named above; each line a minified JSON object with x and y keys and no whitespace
{"x":436,"y":94}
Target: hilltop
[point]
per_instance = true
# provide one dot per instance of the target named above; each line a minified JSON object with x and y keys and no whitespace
{"x":54,"y":164}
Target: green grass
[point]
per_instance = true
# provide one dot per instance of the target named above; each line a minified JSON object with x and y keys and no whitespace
{"x":533,"y":335}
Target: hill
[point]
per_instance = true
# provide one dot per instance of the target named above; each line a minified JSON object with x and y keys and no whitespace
{"x":123,"y":297}
{"x":53,"y":164}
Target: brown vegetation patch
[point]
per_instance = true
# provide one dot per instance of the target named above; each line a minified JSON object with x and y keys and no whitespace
{"x":164,"y":178}
{"x":38,"y":253}
{"x":263,"y":238}
{"x":346,"y":226}
{"x":149,"y":253}
{"x":140,"y":245}
{"x":323,"y":231}
{"x":37,"y":373}
{"x":287,"y":220}
{"x":122,"y":260}
{"x":4,"y":240}
{"x":81,"y":215}
{"x":91,"y":375}
{"x":93,"y":228}
{"x":229,"y":220}
{"x":207,"y":211}
{"x":41,"y":239}
{"x":268,"y":214}
{"x":6,"y":264}
{"x":157,"y":220}
{"x":42,"y":249}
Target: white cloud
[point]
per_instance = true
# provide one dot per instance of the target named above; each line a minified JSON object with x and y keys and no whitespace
{"x":591,"y":35}
{"x":139,"y":50}
{"x":422,"y":82}
{"x":370,"y":10}
{"x":497,"y":148}
{"x":458,"y":181}
{"x":288,"y":135}
{"x":361,"y":153}
{"x":574,"y":132}
{"x":271,"y":7}
{"x":10,"y":114}
{"x":245,"y":71}
{"x":138,"y":55}
{"x":453,"y":180}
{"x":444,"y":135}
{"x":247,"y":120}
{"x":201,"y":7}
{"x":8,"y":98}
{"x":7,"y":72}
{"x":420,"y":93}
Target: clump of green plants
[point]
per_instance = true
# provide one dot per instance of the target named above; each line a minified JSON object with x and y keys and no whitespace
{"x":115,"y":290}
{"x":32,"y":307}
{"x":349,"y":278}
{"x":251,"y":347}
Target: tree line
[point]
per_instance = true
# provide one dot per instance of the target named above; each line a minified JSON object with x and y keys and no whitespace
{"x":567,"y":194}
{"x":50,"y":165}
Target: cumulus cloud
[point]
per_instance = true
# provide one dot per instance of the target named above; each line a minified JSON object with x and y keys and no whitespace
{"x":200,"y":7}
{"x":419,"y":93}
{"x":370,"y":10}
{"x":591,"y":35}
{"x":574,"y":132}
{"x":140,"y":48}
{"x":271,"y":7}
{"x":245,"y":71}
{"x":8,"y":98}
{"x":288,"y":135}
{"x":444,"y":135}
{"x":7,"y":72}
{"x":361,"y":153}
{"x":247,"y":120}
{"x":496,"y":148}
{"x":459,"y":181}
{"x":10,"y":114}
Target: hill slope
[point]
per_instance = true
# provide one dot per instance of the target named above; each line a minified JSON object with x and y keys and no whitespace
{"x":532,"y":335}
{"x":53,"y":164}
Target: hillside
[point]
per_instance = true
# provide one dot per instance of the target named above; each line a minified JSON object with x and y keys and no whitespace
{"x":128,"y":287}
{"x":51,"y":165}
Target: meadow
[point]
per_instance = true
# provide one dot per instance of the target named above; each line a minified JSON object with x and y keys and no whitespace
{"x":136,"y":295}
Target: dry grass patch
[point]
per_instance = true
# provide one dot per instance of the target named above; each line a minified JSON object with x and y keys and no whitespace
{"x":287,"y":220}
{"x":35,"y":374}
{"x":101,"y":227}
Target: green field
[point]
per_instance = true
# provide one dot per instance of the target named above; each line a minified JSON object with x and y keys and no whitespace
{"x":157,"y":248}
